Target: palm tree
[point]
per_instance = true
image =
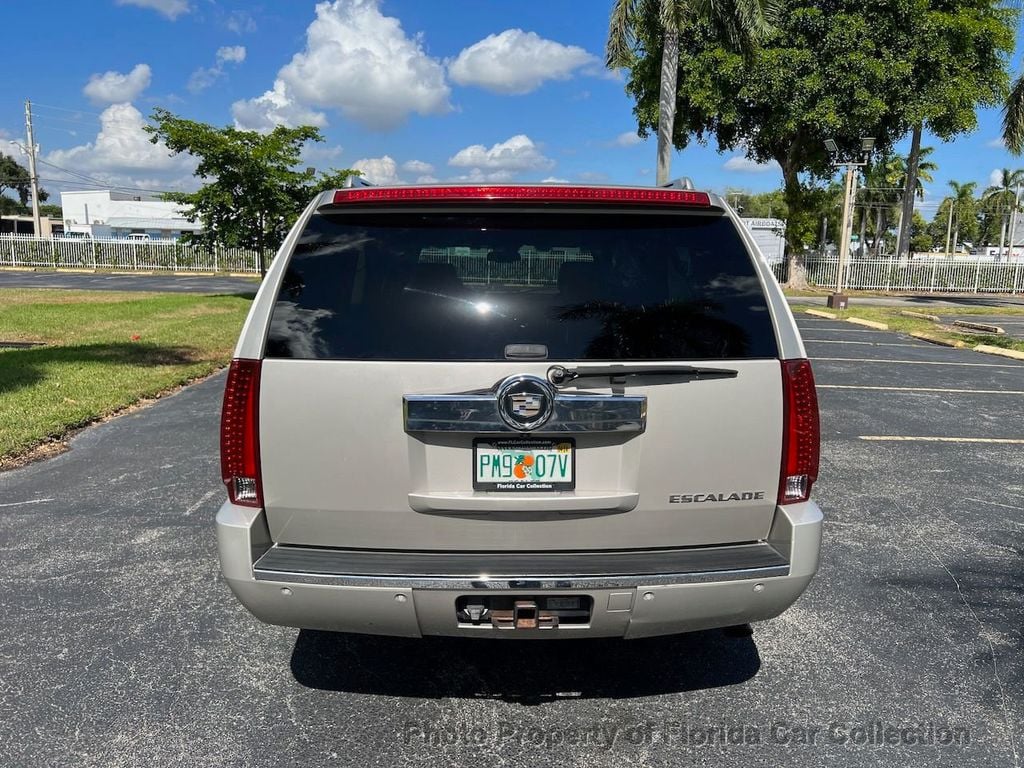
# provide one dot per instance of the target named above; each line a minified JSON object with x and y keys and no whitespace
{"x":739,"y":24}
{"x":1001,"y":198}
{"x":898,"y":175}
{"x":1013,"y":117}
{"x":963,"y":204}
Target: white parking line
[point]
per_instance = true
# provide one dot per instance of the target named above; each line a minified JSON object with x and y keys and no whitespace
{"x":847,"y":330}
{"x":907,"y":439}
{"x":866,"y":343}
{"x":916,"y":362}
{"x":926,"y":389}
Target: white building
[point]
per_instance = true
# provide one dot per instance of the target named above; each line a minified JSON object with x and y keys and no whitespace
{"x":108,"y":213}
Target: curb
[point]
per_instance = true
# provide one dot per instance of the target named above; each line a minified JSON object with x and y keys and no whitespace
{"x":936,"y":340}
{"x":868,"y":323}
{"x":921,"y":315}
{"x":820,"y":313}
{"x":979,"y":327}
{"x":988,"y":349}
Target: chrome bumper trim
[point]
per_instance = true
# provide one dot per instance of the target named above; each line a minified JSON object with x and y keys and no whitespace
{"x":510,"y":571}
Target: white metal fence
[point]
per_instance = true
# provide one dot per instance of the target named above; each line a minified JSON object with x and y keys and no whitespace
{"x":927,"y":275}
{"x":81,"y":253}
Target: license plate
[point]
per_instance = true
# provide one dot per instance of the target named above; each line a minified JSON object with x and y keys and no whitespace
{"x":524,"y":465}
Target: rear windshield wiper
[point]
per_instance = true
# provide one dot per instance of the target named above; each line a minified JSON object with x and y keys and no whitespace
{"x":560,"y":375}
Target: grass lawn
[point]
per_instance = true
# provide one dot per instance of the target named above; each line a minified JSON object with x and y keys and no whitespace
{"x":101,"y":352}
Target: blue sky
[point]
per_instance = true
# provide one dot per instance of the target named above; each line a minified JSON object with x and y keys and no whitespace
{"x":404,"y":89}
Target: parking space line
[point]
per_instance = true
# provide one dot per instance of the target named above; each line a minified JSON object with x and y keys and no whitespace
{"x":917,"y":362}
{"x":847,"y":330}
{"x":909,"y":439}
{"x":926,"y":389}
{"x":866,"y":343}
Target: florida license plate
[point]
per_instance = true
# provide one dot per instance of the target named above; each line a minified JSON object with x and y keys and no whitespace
{"x":524,"y":465}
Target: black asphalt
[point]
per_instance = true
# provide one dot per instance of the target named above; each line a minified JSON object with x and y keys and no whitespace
{"x":123,"y":647}
{"x":112,"y":281}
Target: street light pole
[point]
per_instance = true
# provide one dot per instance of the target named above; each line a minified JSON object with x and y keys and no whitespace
{"x":838,"y":300}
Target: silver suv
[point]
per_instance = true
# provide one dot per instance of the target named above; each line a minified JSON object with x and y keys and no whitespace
{"x":519,"y":411}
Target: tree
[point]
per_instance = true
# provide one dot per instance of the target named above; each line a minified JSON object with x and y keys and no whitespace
{"x":958,"y":63}
{"x":965,"y":220}
{"x":1000,"y":200}
{"x":15,"y":177}
{"x":840,"y":69}
{"x":253,"y":191}
{"x":736,"y":24}
{"x":920,"y":241}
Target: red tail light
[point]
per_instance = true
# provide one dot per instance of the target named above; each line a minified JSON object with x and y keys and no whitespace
{"x":801,"y":432}
{"x":239,"y":434}
{"x":527,"y":194}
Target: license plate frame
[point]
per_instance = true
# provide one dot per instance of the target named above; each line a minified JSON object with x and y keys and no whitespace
{"x":533,"y":445}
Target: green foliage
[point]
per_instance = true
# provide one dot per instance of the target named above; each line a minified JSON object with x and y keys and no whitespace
{"x":920,"y":240}
{"x":840,"y":69}
{"x":15,"y":178}
{"x":253,"y":191}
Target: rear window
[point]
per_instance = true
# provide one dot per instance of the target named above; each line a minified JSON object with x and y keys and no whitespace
{"x":463,"y":286}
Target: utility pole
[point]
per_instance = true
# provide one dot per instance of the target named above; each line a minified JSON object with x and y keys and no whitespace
{"x":33,"y":179}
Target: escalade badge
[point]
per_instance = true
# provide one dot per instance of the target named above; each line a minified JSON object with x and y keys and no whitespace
{"x":525,"y":402}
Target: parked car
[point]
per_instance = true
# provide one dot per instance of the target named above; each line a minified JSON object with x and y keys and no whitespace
{"x":137,"y":237}
{"x":519,"y":411}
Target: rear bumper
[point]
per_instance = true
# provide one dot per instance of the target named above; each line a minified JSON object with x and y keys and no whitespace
{"x":634,"y":594}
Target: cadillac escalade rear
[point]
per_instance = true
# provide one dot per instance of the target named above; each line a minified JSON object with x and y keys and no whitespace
{"x":519,"y":411}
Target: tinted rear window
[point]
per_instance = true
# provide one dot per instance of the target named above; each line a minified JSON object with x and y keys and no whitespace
{"x":463,"y":286}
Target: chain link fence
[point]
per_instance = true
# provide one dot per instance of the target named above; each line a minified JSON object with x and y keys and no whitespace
{"x":125,"y":255}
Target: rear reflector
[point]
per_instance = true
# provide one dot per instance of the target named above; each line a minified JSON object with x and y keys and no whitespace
{"x":525,"y":194}
{"x":801,"y":432}
{"x":239,"y":434}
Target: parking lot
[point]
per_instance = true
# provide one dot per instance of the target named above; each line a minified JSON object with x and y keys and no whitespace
{"x":122,"y":646}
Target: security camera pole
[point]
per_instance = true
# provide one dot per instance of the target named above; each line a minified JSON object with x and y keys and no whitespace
{"x":838,"y":300}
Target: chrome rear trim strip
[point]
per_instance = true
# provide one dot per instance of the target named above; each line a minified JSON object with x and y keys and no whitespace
{"x":478,"y":414}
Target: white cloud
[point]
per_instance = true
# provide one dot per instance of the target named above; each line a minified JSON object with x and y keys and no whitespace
{"x":273,"y":108}
{"x":996,"y":177}
{"x":122,"y":154}
{"x":172,"y":9}
{"x":554,"y":180}
{"x":233,"y":53}
{"x":360,"y":62}
{"x":517,"y":62}
{"x":996,"y":143}
{"x":204,"y":77}
{"x":518,"y":153}
{"x":319,"y":155}
{"x":240,"y":22}
{"x":477,"y":176}
{"x":116,"y":88}
{"x":379,"y":170}
{"x":428,"y":179}
{"x":627,"y":139}
{"x":746,"y":165}
{"x":417,"y":166}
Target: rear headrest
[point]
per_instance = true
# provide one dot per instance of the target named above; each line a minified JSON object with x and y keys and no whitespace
{"x":441,"y":279}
